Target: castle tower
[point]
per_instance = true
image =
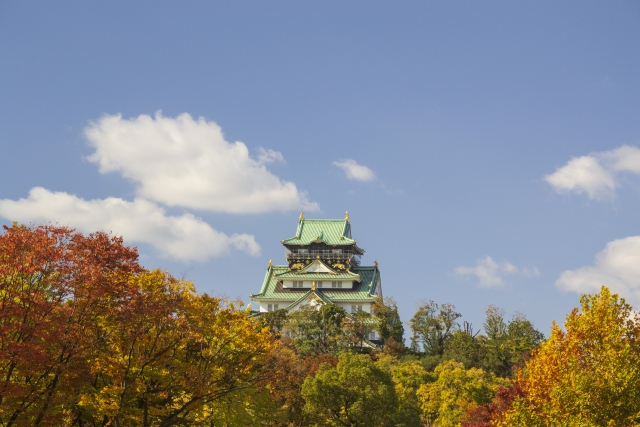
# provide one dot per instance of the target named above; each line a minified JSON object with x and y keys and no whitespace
{"x":323,"y":266}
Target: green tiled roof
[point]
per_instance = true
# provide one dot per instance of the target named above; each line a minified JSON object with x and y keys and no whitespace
{"x":272,"y":288}
{"x":330,"y":231}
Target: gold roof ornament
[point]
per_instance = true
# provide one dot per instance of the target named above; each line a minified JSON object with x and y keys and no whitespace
{"x":301,"y":216}
{"x":270,"y":263}
{"x":346,"y":216}
{"x":313,"y":285}
{"x":375,"y":263}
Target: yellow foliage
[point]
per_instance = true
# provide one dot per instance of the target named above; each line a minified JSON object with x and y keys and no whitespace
{"x":455,"y":391}
{"x":587,"y":375}
{"x":172,"y":353}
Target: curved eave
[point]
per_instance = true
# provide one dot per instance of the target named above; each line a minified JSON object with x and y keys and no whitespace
{"x":359,"y":249}
{"x":265,"y":282}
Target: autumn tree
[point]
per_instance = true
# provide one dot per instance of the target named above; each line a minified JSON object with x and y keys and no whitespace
{"x":408,"y":376}
{"x":55,"y":287}
{"x":172,"y":357}
{"x":586,"y":375}
{"x":455,"y":391}
{"x":284,"y":373}
{"x":356,"y":393}
{"x":88,"y":337}
{"x":491,"y":414}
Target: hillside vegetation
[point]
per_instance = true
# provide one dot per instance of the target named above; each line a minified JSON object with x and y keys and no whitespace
{"x":88,"y":337}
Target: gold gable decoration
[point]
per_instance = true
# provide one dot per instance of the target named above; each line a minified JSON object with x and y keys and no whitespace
{"x":297,"y":266}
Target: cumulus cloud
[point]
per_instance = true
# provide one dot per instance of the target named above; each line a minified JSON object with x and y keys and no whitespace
{"x":186,"y":162}
{"x":355,"y":171}
{"x":491,"y":274}
{"x":617,"y":266}
{"x":183,"y":237}
{"x":595,"y":174}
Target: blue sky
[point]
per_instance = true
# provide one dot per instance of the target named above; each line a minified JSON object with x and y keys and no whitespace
{"x":500,"y":139}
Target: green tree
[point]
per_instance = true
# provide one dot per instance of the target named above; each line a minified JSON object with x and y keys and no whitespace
{"x":356,"y":393}
{"x":433,"y":325}
{"x":317,"y":330}
{"x":388,"y":321}
{"x":507,"y":345}
{"x":357,"y":327}
{"x":466,"y":348}
{"x":276,"y":320}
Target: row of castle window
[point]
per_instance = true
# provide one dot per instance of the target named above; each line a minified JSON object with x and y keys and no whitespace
{"x":354,"y":307}
{"x":334,"y":284}
{"x":306,"y":251}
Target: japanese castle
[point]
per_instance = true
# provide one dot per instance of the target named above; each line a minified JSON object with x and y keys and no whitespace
{"x":323,"y":266}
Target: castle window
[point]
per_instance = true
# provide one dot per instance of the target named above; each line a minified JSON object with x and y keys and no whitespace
{"x":336,"y":284}
{"x":372,"y":335}
{"x":319,"y":284}
{"x":355,"y":308}
{"x":297,"y":283}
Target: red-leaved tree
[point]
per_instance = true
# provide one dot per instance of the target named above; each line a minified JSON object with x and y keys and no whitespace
{"x":56,"y":286}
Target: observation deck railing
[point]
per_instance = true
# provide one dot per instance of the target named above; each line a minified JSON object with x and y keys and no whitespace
{"x":324,"y":254}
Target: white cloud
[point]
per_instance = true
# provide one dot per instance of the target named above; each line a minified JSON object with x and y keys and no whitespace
{"x":595,"y":174}
{"x":183,"y":237}
{"x":491,"y":274}
{"x":623,"y":159}
{"x":269,"y":156}
{"x":355,"y":171}
{"x":185,"y":162}
{"x":583,"y":175}
{"x":617,"y":266}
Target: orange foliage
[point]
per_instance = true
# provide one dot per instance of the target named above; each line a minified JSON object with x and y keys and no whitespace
{"x":54,"y":284}
{"x":88,"y":337}
{"x":586,"y":375}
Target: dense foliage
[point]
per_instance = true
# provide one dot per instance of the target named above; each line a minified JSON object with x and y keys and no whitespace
{"x":586,"y":375}
{"x":90,"y":338}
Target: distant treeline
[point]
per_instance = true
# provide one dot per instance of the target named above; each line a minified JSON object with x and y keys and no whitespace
{"x":90,"y":338}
